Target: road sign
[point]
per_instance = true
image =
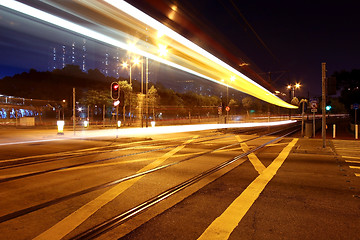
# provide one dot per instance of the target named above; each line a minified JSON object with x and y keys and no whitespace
{"x":356,"y":106}
{"x":313,"y":110}
{"x":227,"y":108}
{"x":313,"y":104}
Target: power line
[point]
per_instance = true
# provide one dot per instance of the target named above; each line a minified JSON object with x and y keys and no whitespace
{"x":254,"y":32}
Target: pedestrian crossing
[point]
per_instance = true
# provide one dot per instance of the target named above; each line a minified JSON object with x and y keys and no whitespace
{"x":349,"y":151}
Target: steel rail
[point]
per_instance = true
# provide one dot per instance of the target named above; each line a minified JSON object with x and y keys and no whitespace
{"x":34,"y":208}
{"x":115,"y":221}
{"x":102,"y":160}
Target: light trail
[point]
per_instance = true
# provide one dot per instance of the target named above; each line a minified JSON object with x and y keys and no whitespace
{"x":148,"y":132}
{"x":183,"y":54}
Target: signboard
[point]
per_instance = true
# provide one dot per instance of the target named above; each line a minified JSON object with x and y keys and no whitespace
{"x":314,"y":104}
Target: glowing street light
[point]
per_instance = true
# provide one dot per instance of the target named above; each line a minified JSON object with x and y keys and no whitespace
{"x":162,"y":50}
{"x":124,"y":64}
{"x":292,"y":88}
{"x":136,"y":61}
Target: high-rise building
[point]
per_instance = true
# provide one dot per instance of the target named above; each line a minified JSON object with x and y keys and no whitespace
{"x":62,"y":55}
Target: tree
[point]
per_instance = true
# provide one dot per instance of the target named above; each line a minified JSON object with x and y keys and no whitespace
{"x":247,"y":103}
{"x":349,"y":83}
{"x":96,"y":99}
{"x":153,"y":99}
{"x":126,"y":90}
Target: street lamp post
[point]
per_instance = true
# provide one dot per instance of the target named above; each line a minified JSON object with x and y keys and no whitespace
{"x":135,"y":61}
{"x":227,"y":96}
{"x":292,"y":88}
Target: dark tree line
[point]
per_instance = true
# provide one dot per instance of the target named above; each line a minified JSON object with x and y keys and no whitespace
{"x":93,"y":89}
{"x":56,"y":85}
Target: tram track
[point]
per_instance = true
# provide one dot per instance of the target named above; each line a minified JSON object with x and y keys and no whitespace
{"x":31,"y":174}
{"x":119,"y":219}
{"x":34,"y":208}
{"x":46,"y":158}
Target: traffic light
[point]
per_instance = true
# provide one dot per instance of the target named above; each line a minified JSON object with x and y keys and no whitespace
{"x":328,"y":106}
{"x":115,"y":91}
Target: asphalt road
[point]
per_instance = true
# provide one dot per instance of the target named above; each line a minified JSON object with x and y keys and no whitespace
{"x":291,"y":189}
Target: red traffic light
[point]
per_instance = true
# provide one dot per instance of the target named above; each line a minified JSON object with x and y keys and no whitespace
{"x":115,"y":91}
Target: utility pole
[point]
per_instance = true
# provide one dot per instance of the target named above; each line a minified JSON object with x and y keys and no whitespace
{"x":323,"y":103}
{"x":146,"y":91}
{"x":74,"y":113}
{"x":142,"y":91}
{"x":130,"y":94}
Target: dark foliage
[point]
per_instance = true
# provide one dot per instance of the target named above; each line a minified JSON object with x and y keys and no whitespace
{"x":55,"y":85}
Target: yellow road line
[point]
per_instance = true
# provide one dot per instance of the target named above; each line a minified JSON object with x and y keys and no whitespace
{"x":72,"y":221}
{"x":259,"y":167}
{"x":355,"y":167}
{"x":223,"y":226}
{"x":351,"y":157}
{"x":351,"y":161}
{"x":276,"y":144}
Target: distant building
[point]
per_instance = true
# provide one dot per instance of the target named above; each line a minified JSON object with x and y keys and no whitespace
{"x":108,"y":61}
{"x":74,"y":54}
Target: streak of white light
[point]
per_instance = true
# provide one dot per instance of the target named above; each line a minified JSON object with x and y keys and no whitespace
{"x":146,"y":19}
{"x":44,"y":16}
{"x":137,"y":14}
{"x":131,"y":132}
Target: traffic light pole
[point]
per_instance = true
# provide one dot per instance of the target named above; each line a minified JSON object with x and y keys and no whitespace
{"x":74,"y":112}
{"x":323,"y":104}
{"x":146,"y":92}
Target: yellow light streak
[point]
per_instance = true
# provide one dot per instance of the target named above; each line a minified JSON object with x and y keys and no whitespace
{"x":162,"y":50}
{"x":185,"y":55}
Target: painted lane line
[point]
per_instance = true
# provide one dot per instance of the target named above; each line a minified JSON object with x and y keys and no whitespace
{"x":69,"y":223}
{"x":223,"y":226}
{"x":352,"y":161}
{"x":259,"y":167}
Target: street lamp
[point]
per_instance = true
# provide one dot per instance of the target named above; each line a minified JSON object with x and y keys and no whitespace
{"x":162,"y":50}
{"x":135,"y":61}
{"x":292,"y":88}
{"x":232,"y":78}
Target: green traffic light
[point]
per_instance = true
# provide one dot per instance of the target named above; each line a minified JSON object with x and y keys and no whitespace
{"x":328,"y":107}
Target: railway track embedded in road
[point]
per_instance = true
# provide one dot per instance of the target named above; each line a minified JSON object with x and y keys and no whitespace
{"x":99,"y":229}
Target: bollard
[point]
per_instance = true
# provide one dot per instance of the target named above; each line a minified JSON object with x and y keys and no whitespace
{"x":86,"y":123}
{"x":152,"y":123}
{"x":118,"y":124}
{"x":60,"y":125}
{"x":334,"y":130}
{"x":356,"y":131}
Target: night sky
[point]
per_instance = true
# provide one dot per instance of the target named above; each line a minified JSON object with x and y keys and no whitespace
{"x":289,"y":39}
